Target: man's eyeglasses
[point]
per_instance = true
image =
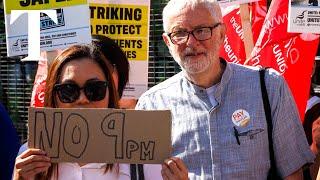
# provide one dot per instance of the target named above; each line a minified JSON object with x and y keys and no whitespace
{"x":200,"y":34}
{"x":70,"y":92}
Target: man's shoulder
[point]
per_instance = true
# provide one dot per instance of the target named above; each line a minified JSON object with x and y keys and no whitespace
{"x":239,"y":68}
{"x":165,"y":86}
{"x":243,"y":71}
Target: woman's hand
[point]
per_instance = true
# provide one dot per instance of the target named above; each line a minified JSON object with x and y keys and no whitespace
{"x":30,"y":163}
{"x":174,"y":169}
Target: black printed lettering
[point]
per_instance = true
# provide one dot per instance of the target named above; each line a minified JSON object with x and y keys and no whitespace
{"x":92,"y":9}
{"x":116,"y":13}
{"x":25,"y":3}
{"x":118,"y":29}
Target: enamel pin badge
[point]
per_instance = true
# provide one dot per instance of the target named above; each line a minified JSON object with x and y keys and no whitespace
{"x":241,"y":118}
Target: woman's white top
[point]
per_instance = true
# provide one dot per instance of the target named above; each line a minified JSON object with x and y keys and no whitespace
{"x":95,"y":171}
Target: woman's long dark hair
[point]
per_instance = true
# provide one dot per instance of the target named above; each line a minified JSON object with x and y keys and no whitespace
{"x":76,"y":53}
{"x":116,"y":56}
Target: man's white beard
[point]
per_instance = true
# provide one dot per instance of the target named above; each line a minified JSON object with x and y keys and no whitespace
{"x":196,"y":66}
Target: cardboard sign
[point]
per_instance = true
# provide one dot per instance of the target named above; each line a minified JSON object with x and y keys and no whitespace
{"x":304,"y":16}
{"x":72,"y":28}
{"x":127,"y":22}
{"x":101,"y":135}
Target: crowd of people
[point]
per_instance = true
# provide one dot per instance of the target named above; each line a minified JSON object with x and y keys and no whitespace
{"x":220,"y":126}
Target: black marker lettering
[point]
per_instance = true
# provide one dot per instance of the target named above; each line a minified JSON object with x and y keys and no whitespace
{"x":132,"y":146}
{"x":147,"y":150}
{"x":75,"y":142}
{"x":45,"y":138}
{"x":113,"y":126}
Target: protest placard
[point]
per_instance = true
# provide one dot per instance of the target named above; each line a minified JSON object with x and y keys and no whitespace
{"x":304,"y":16}
{"x":127,"y":22}
{"x":101,"y":135}
{"x":72,"y":27}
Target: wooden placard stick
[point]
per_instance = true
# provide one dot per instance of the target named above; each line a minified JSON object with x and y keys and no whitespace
{"x":247,"y":29}
{"x":51,"y":55}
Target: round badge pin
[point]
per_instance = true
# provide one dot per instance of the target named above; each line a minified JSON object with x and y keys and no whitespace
{"x":240,"y":118}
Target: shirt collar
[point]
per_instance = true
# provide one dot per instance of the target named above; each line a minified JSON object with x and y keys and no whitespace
{"x":226,"y":76}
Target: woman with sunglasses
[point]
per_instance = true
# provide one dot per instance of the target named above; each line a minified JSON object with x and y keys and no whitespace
{"x":80,"y":77}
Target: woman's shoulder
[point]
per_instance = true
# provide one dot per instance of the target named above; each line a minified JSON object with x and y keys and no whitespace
{"x":314,"y":100}
{"x":23,"y":148}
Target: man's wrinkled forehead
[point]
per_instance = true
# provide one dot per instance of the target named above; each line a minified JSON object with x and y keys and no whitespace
{"x":184,"y":20}
{"x":173,"y":11}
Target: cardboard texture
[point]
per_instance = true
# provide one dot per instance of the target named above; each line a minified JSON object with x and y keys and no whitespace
{"x":101,"y":135}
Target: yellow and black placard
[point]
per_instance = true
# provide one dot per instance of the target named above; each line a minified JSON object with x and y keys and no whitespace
{"x":39,"y":4}
{"x":126,"y":24}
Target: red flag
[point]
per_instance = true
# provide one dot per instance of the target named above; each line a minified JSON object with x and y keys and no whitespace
{"x":233,"y":48}
{"x":286,"y":52}
{"x":37,"y":98}
{"x":259,"y":11}
{"x":275,"y":26}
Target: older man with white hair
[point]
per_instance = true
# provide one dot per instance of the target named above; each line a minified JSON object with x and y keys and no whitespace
{"x":219,"y":127}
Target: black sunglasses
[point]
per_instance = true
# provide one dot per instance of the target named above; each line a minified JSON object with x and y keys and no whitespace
{"x":70,"y":92}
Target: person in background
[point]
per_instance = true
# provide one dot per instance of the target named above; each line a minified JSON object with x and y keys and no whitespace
{"x":81,"y":77}
{"x":120,"y":75}
{"x":117,"y":59}
{"x":311,"y":125}
{"x":121,"y":66}
{"x":219,"y":126}
{"x":9,"y":144}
